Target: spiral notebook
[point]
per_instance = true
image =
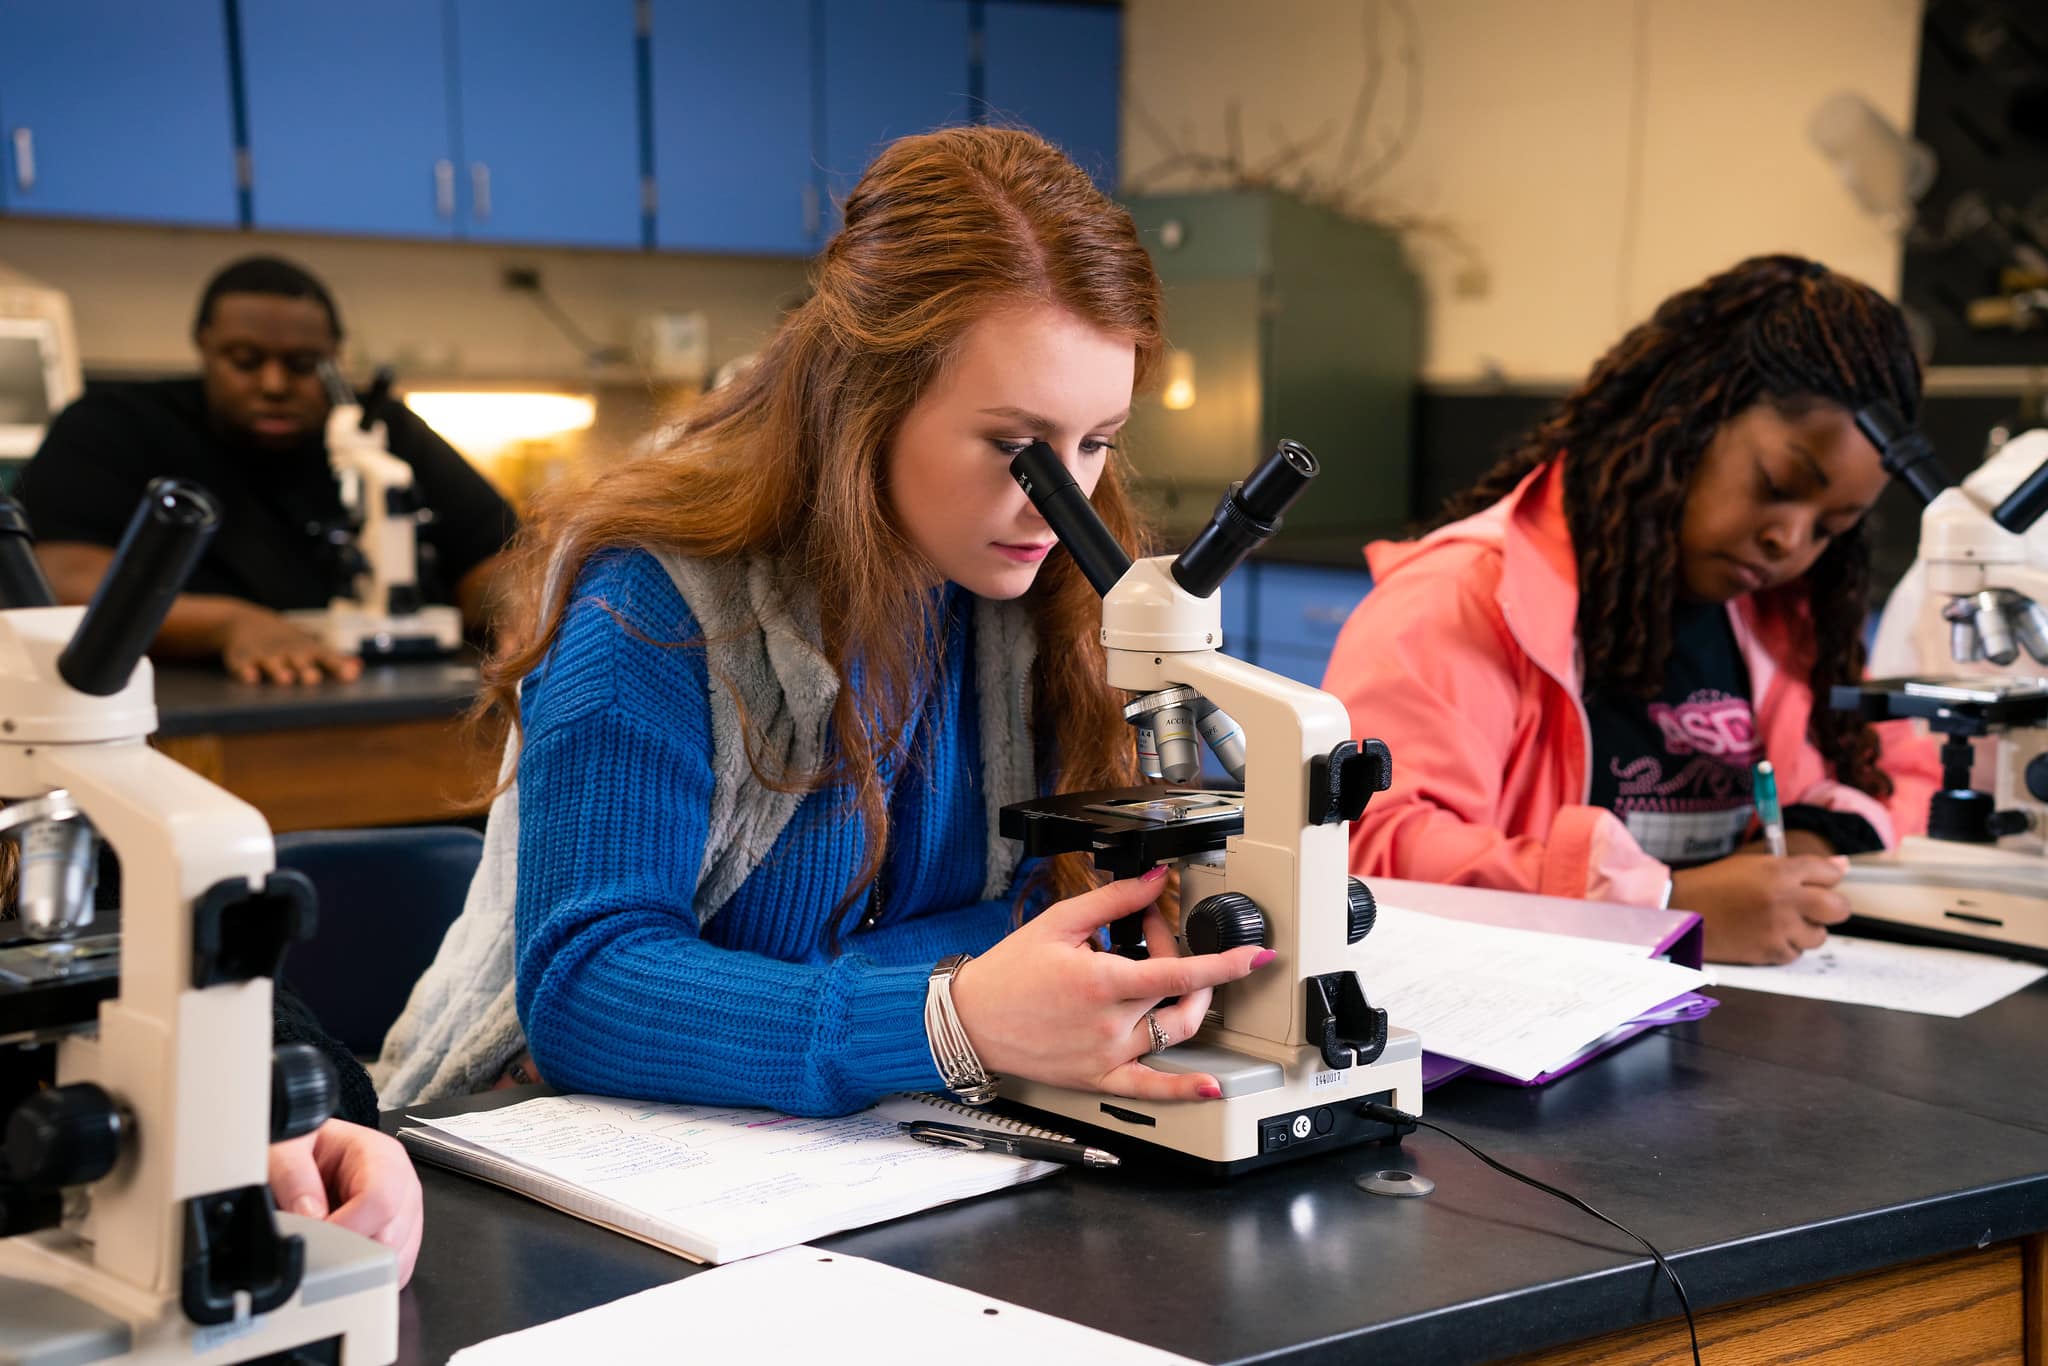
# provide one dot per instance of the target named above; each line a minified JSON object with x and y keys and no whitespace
{"x":712,"y":1183}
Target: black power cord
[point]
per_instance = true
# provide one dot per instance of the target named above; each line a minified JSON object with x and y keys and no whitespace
{"x":1403,"y":1121}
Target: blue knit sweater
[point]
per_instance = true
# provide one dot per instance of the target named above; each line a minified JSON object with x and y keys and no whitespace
{"x":620,"y":990}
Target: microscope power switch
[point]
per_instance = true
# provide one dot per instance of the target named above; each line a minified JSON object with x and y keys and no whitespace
{"x":1285,"y":1131}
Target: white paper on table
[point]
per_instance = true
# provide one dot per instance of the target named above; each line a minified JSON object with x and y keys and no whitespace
{"x":804,"y":1304}
{"x":1516,"y":1001}
{"x":1874,"y":972}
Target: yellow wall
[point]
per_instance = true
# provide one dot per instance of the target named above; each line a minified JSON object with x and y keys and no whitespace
{"x":1596,"y":154}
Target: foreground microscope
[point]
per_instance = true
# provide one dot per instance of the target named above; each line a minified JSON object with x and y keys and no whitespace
{"x":1981,"y":876}
{"x":139,"y":1091}
{"x":1297,"y":1047}
{"x":379,"y":612}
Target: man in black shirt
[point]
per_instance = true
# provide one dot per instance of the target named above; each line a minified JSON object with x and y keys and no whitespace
{"x":252,"y":430}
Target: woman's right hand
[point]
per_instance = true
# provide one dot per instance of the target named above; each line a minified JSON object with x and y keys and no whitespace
{"x":1044,"y":1004}
{"x":1762,"y":909}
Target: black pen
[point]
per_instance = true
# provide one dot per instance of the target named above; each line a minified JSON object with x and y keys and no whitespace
{"x":997,"y":1141}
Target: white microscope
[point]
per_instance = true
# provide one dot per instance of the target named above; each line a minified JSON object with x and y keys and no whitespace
{"x":1296,"y":1048}
{"x":381,"y":615}
{"x":1980,"y":877}
{"x":139,"y":1091}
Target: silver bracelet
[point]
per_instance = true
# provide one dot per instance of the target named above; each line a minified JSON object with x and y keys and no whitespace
{"x":952,"y":1054}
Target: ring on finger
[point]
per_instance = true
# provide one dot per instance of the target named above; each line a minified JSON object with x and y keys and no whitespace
{"x":1160,"y":1043}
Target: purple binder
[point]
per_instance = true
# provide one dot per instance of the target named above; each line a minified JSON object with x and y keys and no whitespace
{"x":1672,"y":934}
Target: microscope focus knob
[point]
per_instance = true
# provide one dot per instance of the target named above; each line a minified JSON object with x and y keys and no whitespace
{"x":303,"y":1090}
{"x":64,"y":1136}
{"x":1363,"y":911}
{"x":2037,"y":777}
{"x":1227,"y":920}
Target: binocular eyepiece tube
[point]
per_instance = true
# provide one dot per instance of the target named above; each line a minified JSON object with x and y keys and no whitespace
{"x":1902,"y":450}
{"x":1246,"y":515}
{"x":158,"y":552}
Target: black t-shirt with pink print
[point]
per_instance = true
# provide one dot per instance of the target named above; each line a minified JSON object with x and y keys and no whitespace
{"x":1677,"y":768}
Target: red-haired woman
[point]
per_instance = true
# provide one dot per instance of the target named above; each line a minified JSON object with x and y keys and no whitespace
{"x":1577,"y":670}
{"x":775,"y":682}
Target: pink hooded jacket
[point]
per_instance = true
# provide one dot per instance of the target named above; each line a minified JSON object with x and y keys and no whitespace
{"x":1464,"y":659}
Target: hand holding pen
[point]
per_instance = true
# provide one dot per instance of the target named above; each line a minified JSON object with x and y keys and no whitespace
{"x":1015,"y":1144}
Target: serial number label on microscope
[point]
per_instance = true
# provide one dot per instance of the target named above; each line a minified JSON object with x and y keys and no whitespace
{"x":1322,"y":1081}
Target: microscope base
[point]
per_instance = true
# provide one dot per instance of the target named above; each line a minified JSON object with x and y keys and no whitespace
{"x":1968,"y":896}
{"x":350,"y":630}
{"x":55,"y":1308}
{"x":1269,"y":1112}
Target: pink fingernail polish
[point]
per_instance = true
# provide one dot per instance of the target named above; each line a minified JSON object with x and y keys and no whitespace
{"x":1156,"y":872}
{"x":1263,"y":957}
{"x":1209,"y":1091}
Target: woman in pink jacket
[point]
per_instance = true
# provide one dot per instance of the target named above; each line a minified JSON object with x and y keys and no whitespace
{"x":1577,"y":670}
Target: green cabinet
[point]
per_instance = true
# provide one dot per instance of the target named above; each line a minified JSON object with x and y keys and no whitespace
{"x":1289,"y":321}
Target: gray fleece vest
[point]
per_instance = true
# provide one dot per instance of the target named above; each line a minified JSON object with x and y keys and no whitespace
{"x":461,"y":1028}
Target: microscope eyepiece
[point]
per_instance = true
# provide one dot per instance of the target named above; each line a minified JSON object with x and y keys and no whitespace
{"x":1904,"y":452}
{"x":21,"y":578}
{"x":158,"y":552}
{"x":1046,"y":480}
{"x":1246,"y":515}
{"x":2025,"y":504}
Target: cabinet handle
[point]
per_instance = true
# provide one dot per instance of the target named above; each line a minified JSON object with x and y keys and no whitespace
{"x":444,"y":188}
{"x":811,"y":212}
{"x":25,"y":158}
{"x":479,"y":190}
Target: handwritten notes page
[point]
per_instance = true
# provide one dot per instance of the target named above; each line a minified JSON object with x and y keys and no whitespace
{"x":1520,"y":1002}
{"x":1873,"y":972}
{"x":715,"y":1183}
{"x":848,"y":1311}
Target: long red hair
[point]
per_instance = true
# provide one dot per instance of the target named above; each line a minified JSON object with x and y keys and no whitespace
{"x":787,"y":461}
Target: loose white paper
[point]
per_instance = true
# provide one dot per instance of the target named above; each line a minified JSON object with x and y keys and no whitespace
{"x":1873,"y":972}
{"x":1517,"y":1001}
{"x":804,"y":1304}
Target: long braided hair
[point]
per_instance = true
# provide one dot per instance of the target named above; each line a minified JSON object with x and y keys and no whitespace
{"x":1774,"y":329}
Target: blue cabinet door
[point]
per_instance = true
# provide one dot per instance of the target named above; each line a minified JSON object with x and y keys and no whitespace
{"x":891,"y":67}
{"x":348,"y":116}
{"x":732,"y":98}
{"x":1297,"y":611}
{"x":548,"y":95}
{"x":112,"y":109}
{"x":1057,"y":69}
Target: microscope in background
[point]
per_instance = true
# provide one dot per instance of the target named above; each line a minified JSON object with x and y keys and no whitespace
{"x":1980,"y":877}
{"x":377,"y":611}
{"x":1297,"y":1048}
{"x":139,"y":1091}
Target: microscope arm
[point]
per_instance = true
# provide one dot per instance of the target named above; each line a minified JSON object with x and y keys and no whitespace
{"x":190,"y":1065}
{"x":1295,"y":870}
